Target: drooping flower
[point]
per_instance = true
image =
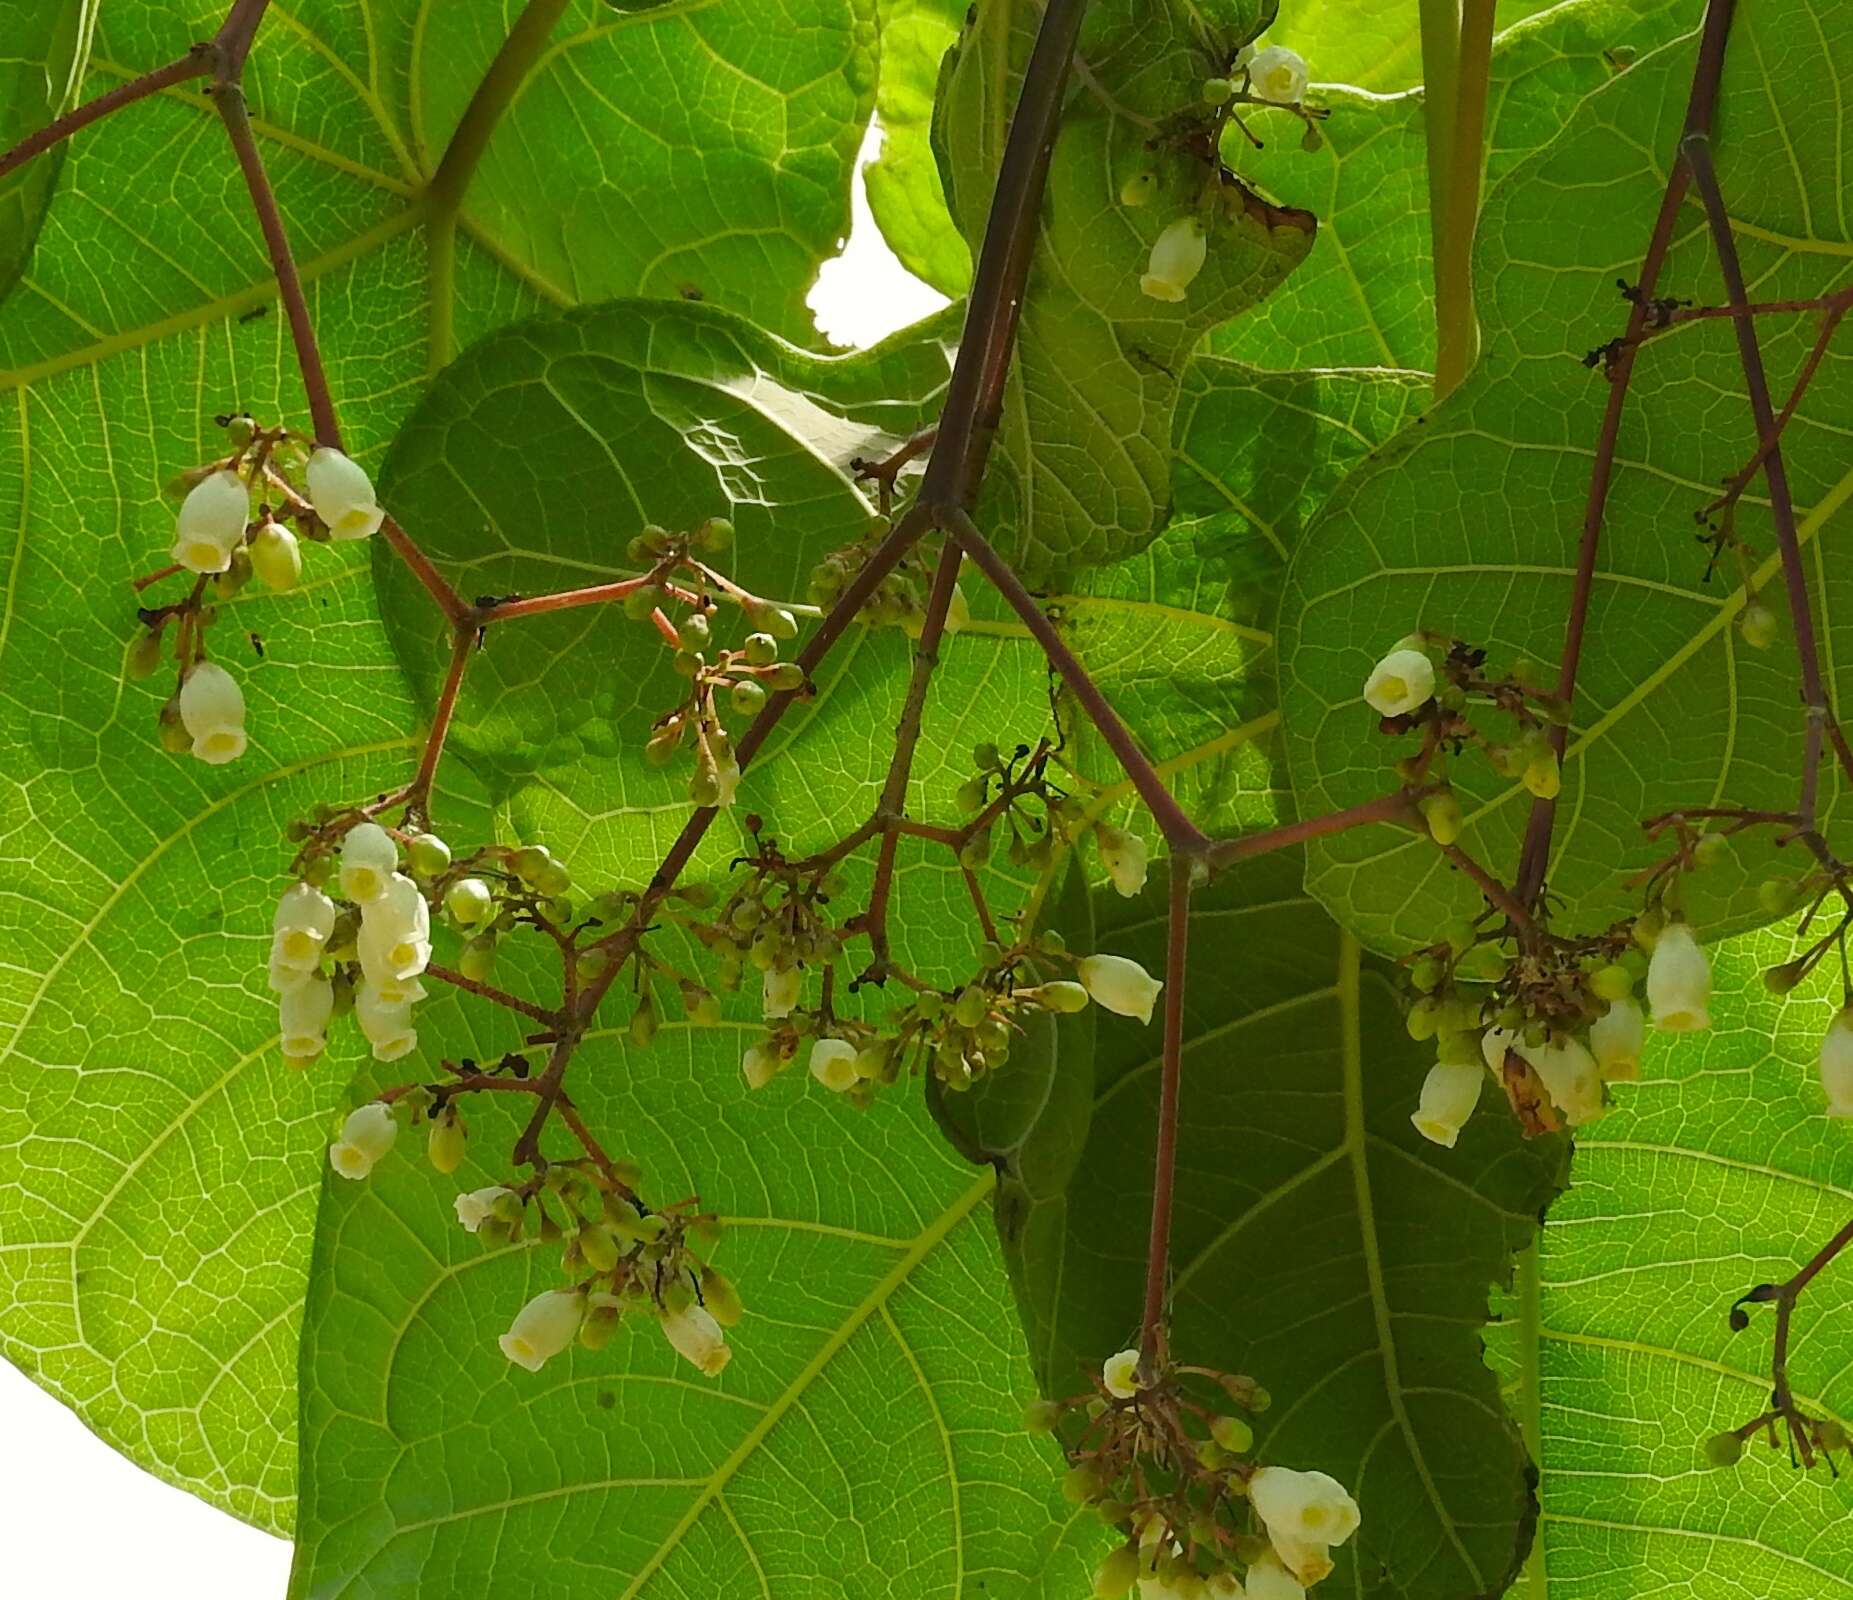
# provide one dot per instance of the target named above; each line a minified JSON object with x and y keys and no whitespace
{"x":760,"y":1065}
{"x":1679,"y":981}
{"x":698,"y":1338}
{"x":780,"y":990}
{"x":1177,"y":257}
{"x":1277,"y":75}
{"x":1120,"y":1374}
{"x":1570,"y":1077}
{"x":366,"y":1136}
{"x":1123,"y":855}
{"x":1121,"y":985}
{"x":211,"y":522}
{"x":1616,"y":1038}
{"x":1267,"y":1579}
{"x":1837,"y":1065}
{"x":478,"y":1205}
{"x":1305,"y":1514}
{"x":342,"y":495}
{"x":395,"y":932}
{"x":1400,"y":682}
{"x":543,"y":1327}
{"x":299,"y":930}
{"x":386,"y":1025}
{"x":302,"y":1018}
{"x":1449,"y":1094}
{"x":369,"y":859}
{"x":833,"y":1064}
{"x":212,"y":712}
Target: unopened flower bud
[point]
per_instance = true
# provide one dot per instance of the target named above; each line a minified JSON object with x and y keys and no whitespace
{"x":470,"y":902}
{"x":1837,"y":1065}
{"x":427,"y":855}
{"x":698,"y":1338}
{"x":1123,"y":855}
{"x":1177,"y":257}
{"x":276,"y":557}
{"x":448,"y":1141}
{"x":544,"y":1327}
{"x":1724,"y":1450}
{"x":1679,"y":981}
{"x":1442,"y":813}
{"x":1449,"y":1094}
{"x":1063,"y":996}
{"x":759,"y":1065}
{"x":1121,"y":985}
{"x":1233,"y":1434}
{"x":721,"y":1298}
{"x":781,"y":991}
{"x":366,"y":1136}
{"x":1758,"y":625}
{"x":1616,"y":1039}
{"x":1117,"y":1573}
{"x":211,"y":522}
{"x":212,"y":712}
{"x":369,"y":859}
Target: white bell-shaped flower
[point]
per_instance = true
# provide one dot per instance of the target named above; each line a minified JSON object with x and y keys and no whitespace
{"x":1122,"y":986}
{"x":1837,"y":1065}
{"x":1267,"y":1579}
{"x":760,"y":1066}
{"x":395,"y":933}
{"x":1400,"y":682}
{"x":1119,"y":1374}
{"x":369,"y":860}
{"x":342,"y":495}
{"x":366,"y":1136}
{"x":212,"y":522}
{"x":1277,"y":75}
{"x":1305,"y":1513}
{"x":1178,"y":255}
{"x":1449,"y":1094}
{"x":1123,"y":855}
{"x":1679,"y":981}
{"x":543,"y":1327}
{"x":304,"y":919}
{"x":697,"y":1337}
{"x":302,"y":1018}
{"x":212,"y":712}
{"x":283,"y":977}
{"x":387,"y":1026}
{"x":780,"y":991}
{"x":1616,"y":1039}
{"x":833,"y":1064}
{"x":478,"y":1205}
{"x":1494,"y":1044}
{"x":1570,"y":1077}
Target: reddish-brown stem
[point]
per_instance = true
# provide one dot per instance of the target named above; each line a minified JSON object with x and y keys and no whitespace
{"x":976,"y":890}
{"x":147,"y":578}
{"x":495,"y":996}
{"x":575,"y":1125}
{"x":1534,"y":858}
{"x":1836,"y":302}
{"x":417,"y":793}
{"x":596,"y":594}
{"x":1397,"y":807}
{"x":1497,"y":894}
{"x":196,"y":63}
{"x":968,"y":422}
{"x":1164,"y":1166}
{"x":1696,"y":151}
{"x":1183,"y":835}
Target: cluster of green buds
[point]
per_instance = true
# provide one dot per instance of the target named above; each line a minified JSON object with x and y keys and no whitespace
{"x":899,"y":600}
{"x":722,"y":680}
{"x":234,"y":523}
{"x":1437,"y":688}
{"x":1037,"y":814}
{"x":1162,"y":1453}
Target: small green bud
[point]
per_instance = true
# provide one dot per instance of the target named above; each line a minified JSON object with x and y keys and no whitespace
{"x":1233,"y":1434}
{"x":447,"y":1142}
{"x":236,"y":575}
{"x":721,"y":1298}
{"x":1117,"y":1574}
{"x":772,"y":619}
{"x":1777,"y":895}
{"x":527,"y":862}
{"x":1139,"y":189}
{"x":1425,"y":975}
{"x":1830,"y":1435}
{"x":970,"y":795}
{"x":1780,"y":980}
{"x":639,"y":603}
{"x":1758,"y":626}
{"x":1611,"y":983}
{"x":748,"y":697}
{"x":175,"y":739}
{"x":1424,"y":1018}
{"x":643,"y":1023}
{"x":1647,"y":928}
{"x":714,"y":534}
{"x":969,"y":1009}
{"x":1711,"y":849}
{"x":1442,"y":812}
{"x":1542,"y":775}
{"x":1063,"y":996}
{"x":760,"y":649}
{"x":470,"y":902}
{"x":144,"y":658}
{"x":1724,"y":1450}
{"x":598,"y":1247}
{"x":785,"y":676}
{"x":1082,"y":1486}
{"x":687,"y":663}
{"x":1041,"y":1416}
{"x":476,"y":960}
{"x":599,"y":1325}
{"x":553,"y":878}
{"x":1216,"y":90}
{"x":428,"y":855}
{"x":986,"y":759}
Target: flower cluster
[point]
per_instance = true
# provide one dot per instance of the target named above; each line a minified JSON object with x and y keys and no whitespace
{"x":899,"y":600}
{"x":224,"y":541}
{"x":1163,"y":1453}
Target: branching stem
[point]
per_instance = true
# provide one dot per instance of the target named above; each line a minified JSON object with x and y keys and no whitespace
{"x":1164,"y":1168}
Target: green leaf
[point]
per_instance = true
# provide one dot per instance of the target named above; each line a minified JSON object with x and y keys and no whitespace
{"x":47,"y":45}
{"x":862,"y":1443}
{"x":1320,"y":1244}
{"x":1080,"y":468}
{"x":1471,"y":526}
{"x":155,"y":1223}
{"x":905,"y":195}
{"x":1363,"y":297}
{"x":1379,"y":48}
{"x":1715,"y":1173}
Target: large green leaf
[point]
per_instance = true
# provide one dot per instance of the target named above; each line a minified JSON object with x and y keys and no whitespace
{"x":1081,"y":465}
{"x":1472,"y":528}
{"x":863,"y":1442}
{"x":47,"y":45}
{"x":160,"y":1166}
{"x":1715,"y":1173}
{"x":1320,"y":1243}
{"x":905,"y":195}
